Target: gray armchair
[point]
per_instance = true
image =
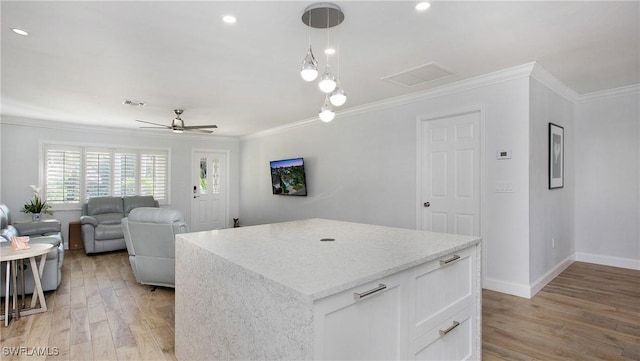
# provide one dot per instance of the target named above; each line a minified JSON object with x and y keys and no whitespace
{"x":39,"y":232}
{"x":150,"y":235}
{"x":100,"y":221}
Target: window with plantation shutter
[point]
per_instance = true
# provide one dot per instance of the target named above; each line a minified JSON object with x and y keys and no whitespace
{"x":62,"y":171}
{"x":125,"y":181}
{"x":74,"y":174}
{"x":153,"y":175}
{"x":97,"y":174}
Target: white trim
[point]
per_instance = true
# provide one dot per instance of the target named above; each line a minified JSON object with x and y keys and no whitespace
{"x":50,"y":124}
{"x":549,"y":276}
{"x":612,"y":261}
{"x":550,"y":81}
{"x":610,"y":93}
{"x":511,"y":288}
{"x":517,"y":72}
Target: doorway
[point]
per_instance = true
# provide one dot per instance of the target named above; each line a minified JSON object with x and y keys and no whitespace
{"x":209,"y":201}
{"x":450,"y":173}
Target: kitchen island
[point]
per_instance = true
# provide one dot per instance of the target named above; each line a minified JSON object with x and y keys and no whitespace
{"x":322,"y":289}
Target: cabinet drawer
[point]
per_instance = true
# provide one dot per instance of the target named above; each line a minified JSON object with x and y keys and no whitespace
{"x":440,"y":289}
{"x":371,"y":326}
{"x":451,"y":340}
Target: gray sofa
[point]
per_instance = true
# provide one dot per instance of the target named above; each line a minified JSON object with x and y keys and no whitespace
{"x":150,"y":235}
{"x":100,"y":221}
{"x":39,"y":232}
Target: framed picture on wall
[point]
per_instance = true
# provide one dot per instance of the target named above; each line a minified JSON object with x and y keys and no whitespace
{"x":556,"y":156}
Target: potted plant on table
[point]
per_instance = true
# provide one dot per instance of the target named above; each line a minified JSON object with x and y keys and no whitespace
{"x":36,"y":206}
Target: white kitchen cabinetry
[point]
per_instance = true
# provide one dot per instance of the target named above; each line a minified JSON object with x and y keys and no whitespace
{"x":281,"y":291}
{"x":428,"y":312}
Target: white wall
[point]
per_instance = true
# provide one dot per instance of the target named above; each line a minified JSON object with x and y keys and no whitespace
{"x":362,"y":167}
{"x":607,"y":204}
{"x":20,"y":154}
{"x":551,"y":210}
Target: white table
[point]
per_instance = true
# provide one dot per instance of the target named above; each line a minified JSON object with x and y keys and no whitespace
{"x":11,"y":257}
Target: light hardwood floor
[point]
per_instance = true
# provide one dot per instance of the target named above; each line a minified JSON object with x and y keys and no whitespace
{"x":588,"y":312}
{"x":99,"y":312}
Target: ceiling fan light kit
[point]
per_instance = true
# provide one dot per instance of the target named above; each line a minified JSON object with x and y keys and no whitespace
{"x":323,"y":16}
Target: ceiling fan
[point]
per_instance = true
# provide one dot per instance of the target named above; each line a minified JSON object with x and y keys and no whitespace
{"x":177,"y":125}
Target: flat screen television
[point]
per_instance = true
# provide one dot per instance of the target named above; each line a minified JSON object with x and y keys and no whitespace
{"x":287,"y":177}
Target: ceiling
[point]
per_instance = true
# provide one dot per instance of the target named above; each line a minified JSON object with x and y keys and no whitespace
{"x":83,"y":59}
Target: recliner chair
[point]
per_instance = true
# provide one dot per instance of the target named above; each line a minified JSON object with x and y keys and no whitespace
{"x":39,"y":232}
{"x":149,"y":234}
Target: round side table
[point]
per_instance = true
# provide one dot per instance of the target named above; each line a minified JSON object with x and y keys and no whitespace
{"x":10,"y":256}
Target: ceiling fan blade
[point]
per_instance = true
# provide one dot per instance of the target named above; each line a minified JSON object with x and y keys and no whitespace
{"x":163,"y":127}
{"x":144,"y":121}
{"x":198,"y":130}
{"x":200,"y":126}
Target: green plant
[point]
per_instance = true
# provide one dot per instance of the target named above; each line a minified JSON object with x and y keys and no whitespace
{"x":36,"y":204}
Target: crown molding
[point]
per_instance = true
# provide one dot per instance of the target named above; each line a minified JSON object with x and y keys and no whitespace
{"x":610,"y":93}
{"x":544,"y":77}
{"x":517,"y":72}
{"x":50,"y":124}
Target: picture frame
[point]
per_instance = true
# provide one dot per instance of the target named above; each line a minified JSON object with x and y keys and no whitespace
{"x":556,"y":156}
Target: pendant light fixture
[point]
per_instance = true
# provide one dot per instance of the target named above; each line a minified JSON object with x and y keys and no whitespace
{"x":326,"y":112}
{"x":323,"y":16}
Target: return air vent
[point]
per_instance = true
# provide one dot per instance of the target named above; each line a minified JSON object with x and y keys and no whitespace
{"x":419,"y":75}
{"x":133,"y":103}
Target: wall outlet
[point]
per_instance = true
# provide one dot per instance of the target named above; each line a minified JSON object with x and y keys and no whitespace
{"x":553,"y":242}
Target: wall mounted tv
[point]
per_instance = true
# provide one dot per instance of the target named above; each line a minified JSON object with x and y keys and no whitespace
{"x":287,"y":177}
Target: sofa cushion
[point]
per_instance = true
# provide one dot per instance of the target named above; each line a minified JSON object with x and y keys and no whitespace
{"x":138,"y":201}
{"x":55,"y":241}
{"x":101,"y":205}
{"x":108,"y":218}
{"x":108,"y":231}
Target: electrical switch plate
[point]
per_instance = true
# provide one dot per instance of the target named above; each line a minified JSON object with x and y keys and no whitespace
{"x":504,"y":187}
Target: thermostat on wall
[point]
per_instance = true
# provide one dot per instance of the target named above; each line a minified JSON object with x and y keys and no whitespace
{"x":503,"y":154}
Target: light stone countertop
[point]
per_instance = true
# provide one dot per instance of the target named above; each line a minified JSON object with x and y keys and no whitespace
{"x":291,"y":253}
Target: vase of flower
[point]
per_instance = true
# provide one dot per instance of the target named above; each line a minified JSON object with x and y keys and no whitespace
{"x":36,"y":206}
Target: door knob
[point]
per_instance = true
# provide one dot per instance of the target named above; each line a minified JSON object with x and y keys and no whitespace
{"x":427,"y":204}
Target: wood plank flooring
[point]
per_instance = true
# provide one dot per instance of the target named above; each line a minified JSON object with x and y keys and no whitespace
{"x":588,"y":312}
{"x":99,"y":312}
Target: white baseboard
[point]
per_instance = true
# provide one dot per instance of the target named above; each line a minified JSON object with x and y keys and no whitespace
{"x":528,"y":291}
{"x":629,"y":263}
{"x":549,"y":276}
{"x":515,"y":289}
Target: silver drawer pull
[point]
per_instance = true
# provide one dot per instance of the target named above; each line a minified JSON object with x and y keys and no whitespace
{"x":445,"y":262}
{"x":358,"y":296}
{"x":444,"y":332}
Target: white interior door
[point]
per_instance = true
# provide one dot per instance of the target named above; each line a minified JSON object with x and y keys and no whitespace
{"x":451,"y":174}
{"x":209,"y":202}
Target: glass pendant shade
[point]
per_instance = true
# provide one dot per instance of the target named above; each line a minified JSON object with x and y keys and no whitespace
{"x":309,"y":70}
{"x":338,"y":97}
{"x":326,"y":112}
{"x":327,"y":82}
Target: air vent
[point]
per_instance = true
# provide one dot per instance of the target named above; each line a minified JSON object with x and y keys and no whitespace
{"x":133,"y":103}
{"x":419,"y":75}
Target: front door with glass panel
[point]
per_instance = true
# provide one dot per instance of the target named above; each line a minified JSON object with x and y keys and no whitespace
{"x":209,"y":198}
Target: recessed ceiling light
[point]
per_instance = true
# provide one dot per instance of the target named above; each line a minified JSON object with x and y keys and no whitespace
{"x":229,"y":19}
{"x":329,"y":51}
{"x":422,"y":6}
{"x":20,"y":31}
